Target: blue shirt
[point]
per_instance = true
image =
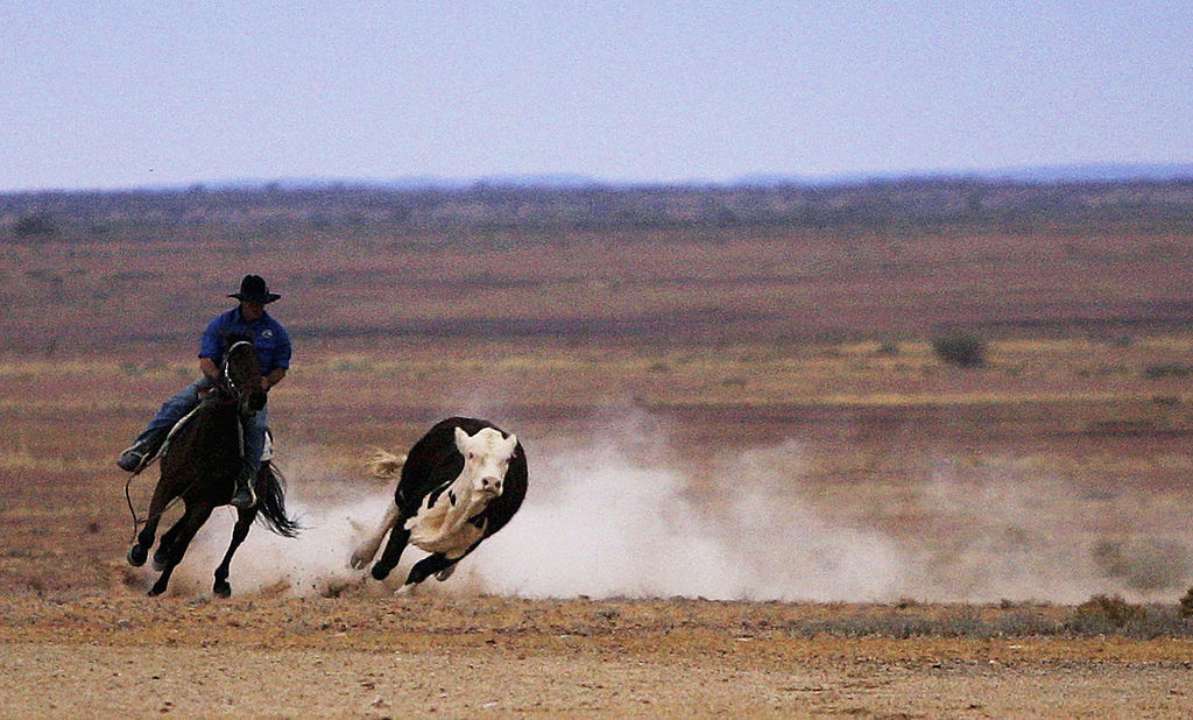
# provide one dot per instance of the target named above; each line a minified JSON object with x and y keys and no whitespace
{"x":270,"y":339}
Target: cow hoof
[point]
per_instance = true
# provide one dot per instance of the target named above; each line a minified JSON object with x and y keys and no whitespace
{"x":137,"y":555}
{"x":359,"y":560}
{"x":380,"y":573}
{"x":407,"y":589}
{"x":445,"y":573}
{"x":222,"y":589}
{"x":155,"y":591}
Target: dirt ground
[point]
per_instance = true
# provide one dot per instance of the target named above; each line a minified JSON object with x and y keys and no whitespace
{"x":123,"y":656}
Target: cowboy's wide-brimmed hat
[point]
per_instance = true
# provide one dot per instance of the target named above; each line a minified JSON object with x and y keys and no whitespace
{"x":254,"y":290}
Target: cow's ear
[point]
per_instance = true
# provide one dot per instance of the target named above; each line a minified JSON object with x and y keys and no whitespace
{"x":512,"y":443}
{"x":462,"y":441}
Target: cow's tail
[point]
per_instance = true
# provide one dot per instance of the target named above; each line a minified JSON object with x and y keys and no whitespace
{"x":384,"y":464}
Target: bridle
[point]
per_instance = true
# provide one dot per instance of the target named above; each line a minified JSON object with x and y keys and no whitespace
{"x":226,"y":377}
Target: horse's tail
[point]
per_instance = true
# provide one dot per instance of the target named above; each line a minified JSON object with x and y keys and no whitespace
{"x":385,"y":464}
{"x":271,"y":503}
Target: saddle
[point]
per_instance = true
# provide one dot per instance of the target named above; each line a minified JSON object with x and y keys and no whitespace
{"x":160,"y":452}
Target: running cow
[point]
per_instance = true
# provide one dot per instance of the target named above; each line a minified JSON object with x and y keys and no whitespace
{"x":460,"y":483}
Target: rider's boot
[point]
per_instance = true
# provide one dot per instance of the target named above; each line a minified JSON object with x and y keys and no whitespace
{"x":245,"y":497}
{"x":134,"y":457}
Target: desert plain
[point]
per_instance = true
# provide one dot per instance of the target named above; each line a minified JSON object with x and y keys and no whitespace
{"x":756,"y":487}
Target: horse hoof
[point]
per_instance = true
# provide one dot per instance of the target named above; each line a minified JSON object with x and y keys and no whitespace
{"x":137,"y":555}
{"x":222,"y":589}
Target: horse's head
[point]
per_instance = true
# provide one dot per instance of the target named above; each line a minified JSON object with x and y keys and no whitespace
{"x":241,"y":376}
{"x":487,"y":457}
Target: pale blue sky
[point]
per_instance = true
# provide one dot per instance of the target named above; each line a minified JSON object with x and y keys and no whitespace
{"x":120,"y":94}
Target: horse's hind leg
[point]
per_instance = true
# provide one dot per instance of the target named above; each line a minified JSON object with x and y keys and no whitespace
{"x":183,"y":531}
{"x":165,"y":548}
{"x":244,"y":521}
{"x":140,"y":549}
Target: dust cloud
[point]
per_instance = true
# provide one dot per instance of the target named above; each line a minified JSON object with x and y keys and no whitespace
{"x":609,"y":514}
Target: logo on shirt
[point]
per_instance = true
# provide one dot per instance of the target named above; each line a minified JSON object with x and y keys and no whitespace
{"x":267,"y":333}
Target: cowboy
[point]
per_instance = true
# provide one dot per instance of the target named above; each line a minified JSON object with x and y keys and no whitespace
{"x":272,"y":344}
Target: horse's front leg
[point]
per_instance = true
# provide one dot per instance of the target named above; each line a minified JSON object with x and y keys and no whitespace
{"x":244,"y":521}
{"x":139,"y":552}
{"x":185,"y":528}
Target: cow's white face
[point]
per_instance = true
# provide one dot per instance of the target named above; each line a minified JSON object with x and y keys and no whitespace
{"x":487,"y":457}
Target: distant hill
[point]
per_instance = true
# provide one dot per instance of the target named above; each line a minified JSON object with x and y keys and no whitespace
{"x":1095,"y":173}
{"x":1108,"y":172}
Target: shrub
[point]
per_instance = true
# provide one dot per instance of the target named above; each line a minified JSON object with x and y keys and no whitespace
{"x":34,"y":224}
{"x":1104,"y":613}
{"x":1164,"y":370}
{"x":961,"y":349}
{"x":1187,"y":604}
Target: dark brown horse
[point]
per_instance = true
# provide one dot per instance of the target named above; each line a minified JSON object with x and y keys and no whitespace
{"x":200,"y":466}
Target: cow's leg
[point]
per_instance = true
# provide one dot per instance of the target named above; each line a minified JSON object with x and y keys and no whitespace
{"x":244,"y":521}
{"x":438,"y":565}
{"x":364,"y":552}
{"x":138,"y":553}
{"x":425,"y":568}
{"x":185,"y":528}
{"x":393,"y":551}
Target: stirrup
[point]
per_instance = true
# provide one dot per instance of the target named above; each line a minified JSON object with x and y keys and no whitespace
{"x":244,"y":486}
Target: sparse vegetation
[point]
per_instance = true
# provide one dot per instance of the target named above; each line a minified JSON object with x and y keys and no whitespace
{"x":1112,"y":615}
{"x":908,"y":205}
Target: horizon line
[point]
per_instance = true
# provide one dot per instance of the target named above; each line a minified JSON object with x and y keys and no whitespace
{"x":1027,"y":174}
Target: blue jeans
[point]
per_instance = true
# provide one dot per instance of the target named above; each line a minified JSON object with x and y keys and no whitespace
{"x":176,"y":407}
